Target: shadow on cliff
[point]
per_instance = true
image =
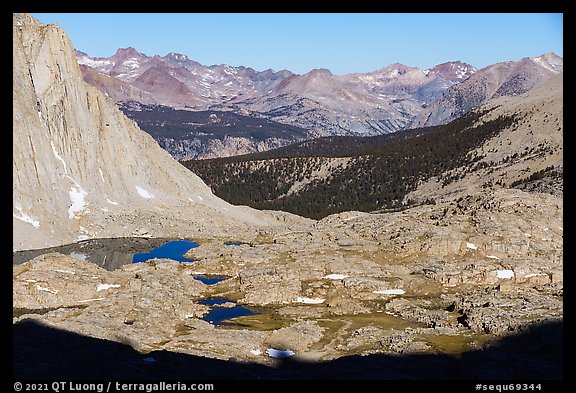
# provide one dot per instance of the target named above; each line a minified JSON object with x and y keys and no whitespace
{"x":41,"y":352}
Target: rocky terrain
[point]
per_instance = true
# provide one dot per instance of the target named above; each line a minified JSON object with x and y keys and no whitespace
{"x":468,"y":287}
{"x":446,"y":279}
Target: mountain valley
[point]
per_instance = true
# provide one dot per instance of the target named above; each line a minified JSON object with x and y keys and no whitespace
{"x":362,"y":246}
{"x":495,"y":144}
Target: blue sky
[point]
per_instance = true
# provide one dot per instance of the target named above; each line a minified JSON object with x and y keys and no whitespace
{"x":341,"y":42}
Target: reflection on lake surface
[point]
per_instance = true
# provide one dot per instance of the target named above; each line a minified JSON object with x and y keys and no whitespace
{"x":109,"y":254}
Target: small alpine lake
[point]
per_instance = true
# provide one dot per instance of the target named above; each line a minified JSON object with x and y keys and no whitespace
{"x":113,"y":253}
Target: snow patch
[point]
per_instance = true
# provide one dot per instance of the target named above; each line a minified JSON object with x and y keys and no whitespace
{"x":26,"y":218}
{"x":230,"y":71}
{"x":538,"y":60}
{"x":336,"y":276}
{"x":492,"y":257}
{"x":199,"y":197}
{"x":149,"y":360}
{"x":91,"y":300}
{"x":77,"y":196}
{"x":101,"y":175}
{"x":111,"y":202}
{"x":93,"y":63}
{"x":54,"y":291}
{"x":256,"y":352}
{"x":59,"y":157}
{"x":535,"y":275}
{"x":144,"y":193}
{"x":309,"y":300}
{"x":471,"y":246}
{"x":131,"y":63}
{"x":279,"y":354}
{"x":507,"y":274}
{"x":102,"y":287}
{"x":66,"y":271}
{"x":390,"y":292}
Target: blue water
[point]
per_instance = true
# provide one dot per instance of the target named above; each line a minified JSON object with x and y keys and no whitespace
{"x":111,"y":254}
{"x":175,"y":250}
{"x":172,"y":250}
{"x":218,"y":315}
{"x":214,"y":301}
{"x":209,"y":280}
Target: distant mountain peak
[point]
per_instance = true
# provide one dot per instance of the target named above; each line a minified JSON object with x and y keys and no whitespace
{"x":551,"y":61}
{"x":509,"y":78}
{"x":454,"y":70}
{"x":177,"y":56}
{"x":320,"y":72}
{"x":128,"y":52}
{"x":549,"y":56}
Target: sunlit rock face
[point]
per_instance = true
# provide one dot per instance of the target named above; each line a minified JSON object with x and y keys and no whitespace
{"x":82,"y":169}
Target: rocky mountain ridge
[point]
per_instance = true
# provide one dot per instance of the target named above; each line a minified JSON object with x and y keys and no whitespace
{"x":387,"y":100}
{"x":369,"y":103}
{"x":498,"y":80}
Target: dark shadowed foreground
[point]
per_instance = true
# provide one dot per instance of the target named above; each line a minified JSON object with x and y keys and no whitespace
{"x":41,"y":352}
